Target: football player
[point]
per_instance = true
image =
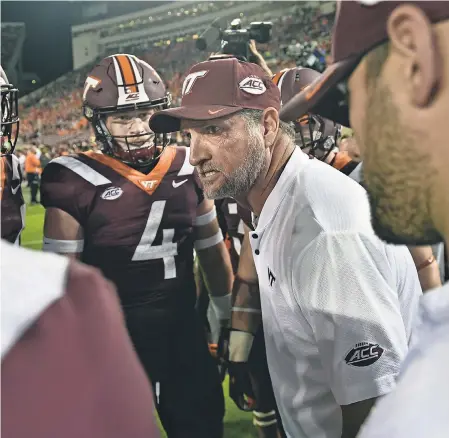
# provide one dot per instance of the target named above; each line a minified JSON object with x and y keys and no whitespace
{"x":46,"y":355}
{"x":137,"y":212}
{"x":318,"y":136}
{"x":11,"y":198}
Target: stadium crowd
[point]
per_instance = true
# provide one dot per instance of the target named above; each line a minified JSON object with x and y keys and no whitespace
{"x":52,"y":118}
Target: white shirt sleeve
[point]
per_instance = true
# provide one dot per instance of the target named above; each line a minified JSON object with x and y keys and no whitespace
{"x":346,"y":288}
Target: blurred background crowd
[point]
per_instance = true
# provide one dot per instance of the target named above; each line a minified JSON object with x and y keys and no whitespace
{"x":52,"y":123}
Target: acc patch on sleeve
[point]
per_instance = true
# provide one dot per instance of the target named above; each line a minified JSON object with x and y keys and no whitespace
{"x":364,"y":354}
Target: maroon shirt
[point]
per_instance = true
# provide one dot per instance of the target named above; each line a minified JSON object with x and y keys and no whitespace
{"x":12,"y":203}
{"x":68,"y":367}
{"x":138,"y":229}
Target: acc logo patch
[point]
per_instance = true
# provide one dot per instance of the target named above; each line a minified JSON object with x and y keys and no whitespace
{"x":364,"y":354}
{"x":132,"y":96}
{"x":252,"y":85}
{"x":112,"y":193}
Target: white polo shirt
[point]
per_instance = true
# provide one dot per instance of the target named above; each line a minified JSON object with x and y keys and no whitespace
{"x":337,"y":303}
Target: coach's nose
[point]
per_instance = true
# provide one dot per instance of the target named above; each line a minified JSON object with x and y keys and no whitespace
{"x":199,"y":149}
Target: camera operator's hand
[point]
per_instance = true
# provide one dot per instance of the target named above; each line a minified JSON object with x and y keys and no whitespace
{"x":253,"y":48}
{"x":259,"y":58}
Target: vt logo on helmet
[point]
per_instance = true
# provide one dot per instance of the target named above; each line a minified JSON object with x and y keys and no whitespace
{"x":10,"y":115}
{"x":120,"y":95}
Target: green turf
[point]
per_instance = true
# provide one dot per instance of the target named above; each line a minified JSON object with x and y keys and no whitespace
{"x":238,"y":424}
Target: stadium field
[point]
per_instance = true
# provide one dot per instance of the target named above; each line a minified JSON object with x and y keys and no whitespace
{"x":238,"y":424}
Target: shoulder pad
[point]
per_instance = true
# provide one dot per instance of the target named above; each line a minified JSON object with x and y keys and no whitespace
{"x":74,"y":164}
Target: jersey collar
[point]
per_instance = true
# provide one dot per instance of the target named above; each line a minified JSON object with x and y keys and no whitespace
{"x":296,"y":162}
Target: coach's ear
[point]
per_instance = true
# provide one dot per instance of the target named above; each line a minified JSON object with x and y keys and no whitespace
{"x":412,"y":36}
{"x":270,"y":122}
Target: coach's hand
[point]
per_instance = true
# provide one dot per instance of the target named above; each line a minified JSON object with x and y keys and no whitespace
{"x":233,"y":351}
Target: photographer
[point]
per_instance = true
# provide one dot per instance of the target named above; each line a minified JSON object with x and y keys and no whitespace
{"x":236,"y":41}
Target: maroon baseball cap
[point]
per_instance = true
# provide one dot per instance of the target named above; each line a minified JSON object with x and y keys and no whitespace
{"x":218,"y":88}
{"x":359,"y":27}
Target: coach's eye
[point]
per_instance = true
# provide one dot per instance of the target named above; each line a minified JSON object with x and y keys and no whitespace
{"x":212,"y":129}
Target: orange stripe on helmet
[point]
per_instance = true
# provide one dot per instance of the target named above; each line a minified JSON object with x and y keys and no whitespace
{"x":318,"y":83}
{"x":126,"y":69}
{"x":277,"y":77}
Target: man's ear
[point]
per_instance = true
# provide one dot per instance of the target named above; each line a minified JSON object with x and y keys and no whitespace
{"x":270,"y":122}
{"x":413,"y":38}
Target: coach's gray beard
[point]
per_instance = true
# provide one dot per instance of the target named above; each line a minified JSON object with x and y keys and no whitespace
{"x":240,"y":181}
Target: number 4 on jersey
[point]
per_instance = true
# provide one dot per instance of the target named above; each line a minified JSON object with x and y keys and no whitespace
{"x":167,"y":250}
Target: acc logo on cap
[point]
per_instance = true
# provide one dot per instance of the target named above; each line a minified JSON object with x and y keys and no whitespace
{"x":252,"y":85}
{"x":112,"y":193}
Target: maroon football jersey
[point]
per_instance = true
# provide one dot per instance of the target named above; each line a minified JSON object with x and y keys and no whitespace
{"x":68,"y":366}
{"x":11,"y":198}
{"x":138,"y":228}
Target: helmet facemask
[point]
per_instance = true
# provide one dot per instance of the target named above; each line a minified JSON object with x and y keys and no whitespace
{"x":139,"y":149}
{"x":317,"y":136}
{"x":10,"y":118}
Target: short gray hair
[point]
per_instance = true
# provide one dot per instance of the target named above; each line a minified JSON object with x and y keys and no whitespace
{"x":253,"y":116}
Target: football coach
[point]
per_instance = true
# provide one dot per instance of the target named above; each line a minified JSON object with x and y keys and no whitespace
{"x":336,"y":316}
